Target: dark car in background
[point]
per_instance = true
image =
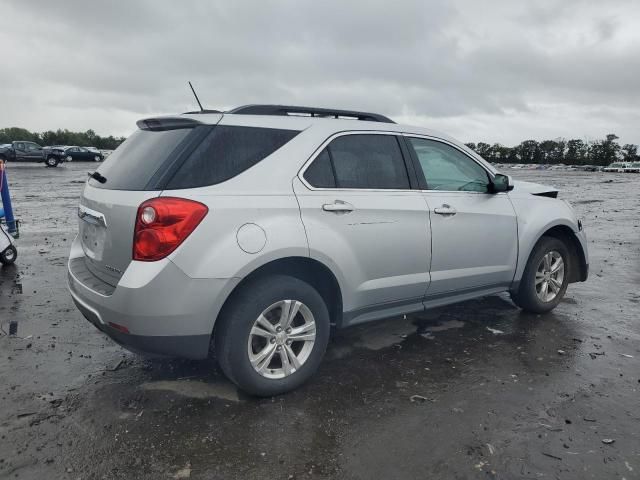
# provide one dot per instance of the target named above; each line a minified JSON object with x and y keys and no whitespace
{"x":88,"y":154}
{"x":23,"y":151}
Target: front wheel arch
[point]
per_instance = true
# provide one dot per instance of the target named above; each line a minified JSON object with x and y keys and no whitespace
{"x":578,"y":264}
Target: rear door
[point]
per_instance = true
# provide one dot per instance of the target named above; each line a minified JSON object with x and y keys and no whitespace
{"x":364,"y":220}
{"x":474,"y":232}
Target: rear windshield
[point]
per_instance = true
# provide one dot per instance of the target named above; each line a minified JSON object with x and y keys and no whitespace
{"x":132,"y":164}
{"x":188,"y":157}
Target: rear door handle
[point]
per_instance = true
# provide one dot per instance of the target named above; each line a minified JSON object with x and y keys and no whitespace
{"x":445,"y":209}
{"x":338,"y":206}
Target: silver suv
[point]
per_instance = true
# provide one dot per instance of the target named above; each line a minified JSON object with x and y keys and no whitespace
{"x":250,"y":233}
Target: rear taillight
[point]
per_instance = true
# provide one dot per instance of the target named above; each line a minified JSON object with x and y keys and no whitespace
{"x":162,"y":224}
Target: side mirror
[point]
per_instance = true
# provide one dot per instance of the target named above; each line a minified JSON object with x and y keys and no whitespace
{"x":501,"y":183}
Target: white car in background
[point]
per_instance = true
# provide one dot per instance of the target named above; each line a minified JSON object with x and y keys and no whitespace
{"x":633,"y":167}
{"x":617,"y":167}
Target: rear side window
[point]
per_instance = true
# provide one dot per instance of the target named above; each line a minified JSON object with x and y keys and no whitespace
{"x":360,"y":161}
{"x":132,"y":164}
{"x":226,"y":152}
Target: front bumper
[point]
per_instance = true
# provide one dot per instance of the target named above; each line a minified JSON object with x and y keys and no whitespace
{"x":163,"y":311}
{"x":583,"y":255}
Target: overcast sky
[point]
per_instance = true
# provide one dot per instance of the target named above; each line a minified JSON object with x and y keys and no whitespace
{"x":497,"y":71}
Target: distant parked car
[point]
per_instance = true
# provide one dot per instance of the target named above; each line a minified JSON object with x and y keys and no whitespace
{"x":87,"y":154}
{"x":617,"y":167}
{"x":633,"y":167}
{"x":21,"y":151}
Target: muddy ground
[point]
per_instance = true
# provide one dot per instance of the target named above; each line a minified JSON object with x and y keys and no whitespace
{"x":502,"y":394}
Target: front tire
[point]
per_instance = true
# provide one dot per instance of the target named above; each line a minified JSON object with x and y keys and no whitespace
{"x":545,"y":278}
{"x":272,"y":336}
{"x":97,"y":158}
{"x":52,"y":162}
{"x":9,"y":256}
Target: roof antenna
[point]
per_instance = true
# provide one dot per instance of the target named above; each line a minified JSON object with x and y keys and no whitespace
{"x":197,"y":99}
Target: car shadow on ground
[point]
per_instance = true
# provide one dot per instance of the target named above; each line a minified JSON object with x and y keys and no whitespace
{"x":370,"y":355}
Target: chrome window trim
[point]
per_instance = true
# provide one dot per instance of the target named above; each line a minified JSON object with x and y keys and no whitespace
{"x":328,"y":140}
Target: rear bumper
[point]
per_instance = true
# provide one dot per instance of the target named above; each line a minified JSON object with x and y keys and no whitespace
{"x":163,"y":310}
{"x":185,"y":346}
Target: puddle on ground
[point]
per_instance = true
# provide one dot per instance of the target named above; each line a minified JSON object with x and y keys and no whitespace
{"x":447,"y":325}
{"x":384,"y":334}
{"x":195,"y":389}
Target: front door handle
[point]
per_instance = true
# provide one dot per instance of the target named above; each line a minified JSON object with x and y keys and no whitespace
{"x":445,"y":209}
{"x":338,"y":206}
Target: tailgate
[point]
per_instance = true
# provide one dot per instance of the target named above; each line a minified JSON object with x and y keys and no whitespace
{"x":106,"y":223}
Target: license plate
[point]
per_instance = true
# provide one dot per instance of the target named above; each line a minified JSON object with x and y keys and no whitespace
{"x":93,"y":239}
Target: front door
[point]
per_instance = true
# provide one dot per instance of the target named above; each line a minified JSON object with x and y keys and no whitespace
{"x":363,"y":220}
{"x":474,"y":232}
{"x":33,"y":151}
{"x":21,"y":151}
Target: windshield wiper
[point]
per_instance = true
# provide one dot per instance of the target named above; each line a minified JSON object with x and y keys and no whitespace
{"x":96,"y":176}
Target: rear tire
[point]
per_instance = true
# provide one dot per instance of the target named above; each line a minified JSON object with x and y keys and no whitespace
{"x":545,"y":278}
{"x":9,"y":256}
{"x":254,"y":355}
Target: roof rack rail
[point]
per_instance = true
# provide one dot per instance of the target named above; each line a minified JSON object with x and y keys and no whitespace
{"x":201,"y":111}
{"x":285,"y":110}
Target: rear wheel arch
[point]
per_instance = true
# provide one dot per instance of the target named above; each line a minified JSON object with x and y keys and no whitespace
{"x":311,"y":271}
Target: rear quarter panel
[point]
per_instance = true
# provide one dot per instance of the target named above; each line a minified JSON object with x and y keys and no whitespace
{"x":213,"y":249}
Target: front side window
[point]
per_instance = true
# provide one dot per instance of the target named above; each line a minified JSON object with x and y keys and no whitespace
{"x":446,"y":168}
{"x":360,"y":161}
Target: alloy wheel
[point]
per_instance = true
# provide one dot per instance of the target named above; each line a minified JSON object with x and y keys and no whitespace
{"x":549,"y":276}
{"x":281,"y":339}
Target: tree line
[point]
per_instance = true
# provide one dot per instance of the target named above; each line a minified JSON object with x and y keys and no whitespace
{"x":569,"y":152}
{"x":61,"y":137}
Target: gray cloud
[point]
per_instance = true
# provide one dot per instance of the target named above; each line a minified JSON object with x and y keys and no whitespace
{"x":496,"y":71}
